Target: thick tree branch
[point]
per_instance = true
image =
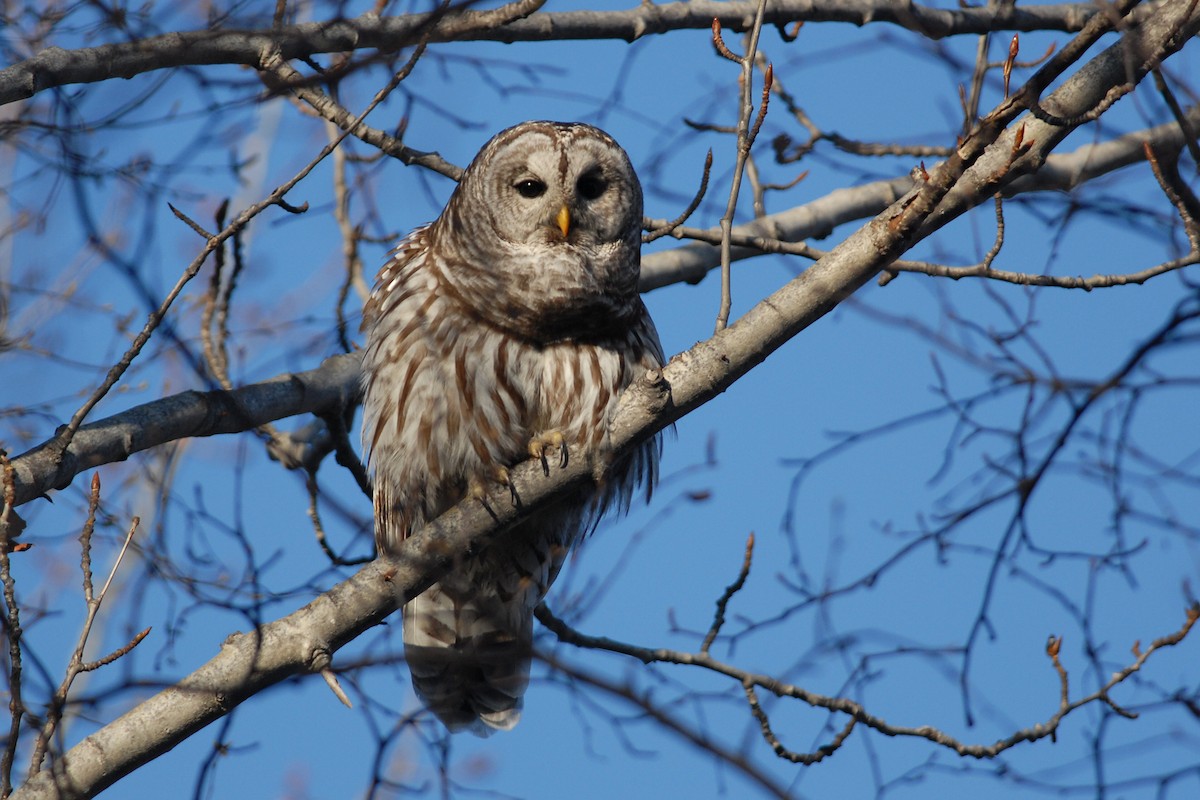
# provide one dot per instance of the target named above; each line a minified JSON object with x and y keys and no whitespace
{"x":55,"y":66}
{"x":58,"y":67}
{"x":332,"y":385}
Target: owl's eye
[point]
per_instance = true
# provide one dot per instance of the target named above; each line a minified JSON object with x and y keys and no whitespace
{"x":591,"y":186}
{"x":530,"y":188}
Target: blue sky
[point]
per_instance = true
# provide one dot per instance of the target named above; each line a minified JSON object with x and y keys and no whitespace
{"x":652,"y":578}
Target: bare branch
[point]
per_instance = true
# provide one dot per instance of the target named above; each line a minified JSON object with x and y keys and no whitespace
{"x":10,"y":525}
{"x":92,"y":603}
{"x":655,"y":231}
{"x":727,"y":595}
{"x":856,"y":711}
{"x":746,"y":133}
{"x":1166,"y":172}
{"x":57,"y":67}
{"x":514,"y":22}
{"x":700,"y":738}
{"x":286,"y":78}
{"x":1063,"y":172}
{"x":764,"y":723}
{"x":335,"y":384}
{"x":332,"y":385}
{"x":1190,"y":139}
{"x":65,"y":434}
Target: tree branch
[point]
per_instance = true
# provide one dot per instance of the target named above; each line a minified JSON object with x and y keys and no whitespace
{"x":855,"y":710}
{"x":55,"y":66}
{"x":690,"y":263}
{"x":332,"y":385}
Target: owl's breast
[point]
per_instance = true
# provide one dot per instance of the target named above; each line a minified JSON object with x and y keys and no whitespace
{"x":454,"y":389}
{"x":549,"y":291}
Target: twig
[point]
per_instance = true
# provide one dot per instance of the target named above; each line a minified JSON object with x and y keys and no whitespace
{"x":350,"y":236}
{"x":766,"y":244}
{"x":9,"y":524}
{"x":991,"y":254}
{"x":764,"y":723}
{"x":1189,"y":130}
{"x":719,"y":43}
{"x":746,"y":133}
{"x":781,"y":143}
{"x":217,"y":297}
{"x":698,"y":736}
{"x":971,"y":100}
{"x":853,"y":709}
{"x":314,"y":515}
{"x":120,"y":652}
{"x":92,"y":603}
{"x":1166,"y":172}
{"x":1036,"y":279}
{"x":328,"y":108}
{"x":85,"y":538}
{"x":1092,"y":114}
{"x":337,"y":422}
{"x":657,"y":231}
{"x":331,"y":681}
{"x":727,"y":595}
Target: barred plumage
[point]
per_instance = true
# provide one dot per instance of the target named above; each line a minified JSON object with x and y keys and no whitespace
{"x":513,"y":318}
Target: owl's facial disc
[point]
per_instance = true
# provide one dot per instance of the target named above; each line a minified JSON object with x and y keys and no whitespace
{"x":549,"y":188}
{"x":545,"y":230}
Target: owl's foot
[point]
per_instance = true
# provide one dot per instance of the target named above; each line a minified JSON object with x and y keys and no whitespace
{"x":479,"y":485}
{"x":543,"y":443}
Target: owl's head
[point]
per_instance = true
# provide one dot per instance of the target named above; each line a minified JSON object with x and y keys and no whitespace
{"x":546,"y":224}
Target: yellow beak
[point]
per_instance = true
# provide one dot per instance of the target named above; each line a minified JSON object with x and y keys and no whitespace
{"x":563,"y":218}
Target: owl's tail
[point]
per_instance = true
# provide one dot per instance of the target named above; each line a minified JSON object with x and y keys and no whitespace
{"x":469,"y":658}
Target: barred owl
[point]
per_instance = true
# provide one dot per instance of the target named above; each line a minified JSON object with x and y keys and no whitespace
{"x":505,"y":329}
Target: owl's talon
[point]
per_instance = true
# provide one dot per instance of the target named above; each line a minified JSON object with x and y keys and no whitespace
{"x":477,"y":490}
{"x":543,"y":443}
{"x":503,"y":479}
{"x":479,"y":485}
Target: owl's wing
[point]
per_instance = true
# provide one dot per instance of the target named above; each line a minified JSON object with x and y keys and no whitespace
{"x":384,"y":369}
{"x":402,"y":254}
